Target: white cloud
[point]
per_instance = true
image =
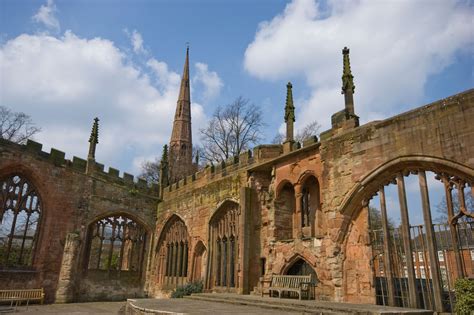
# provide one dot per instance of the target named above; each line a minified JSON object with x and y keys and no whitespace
{"x":136,"y":40}
{"x":46,"y":16}
{"x":395,"y":46}
{"x":210,"y":81}
{"x":64,"y":82}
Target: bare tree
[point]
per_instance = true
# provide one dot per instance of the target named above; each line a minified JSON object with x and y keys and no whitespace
{"x":231,"y":130}
{"x":16,"y":126}
{"x":151,"y":171}
{"x":309,"y":130}
{"x":442,"y":208}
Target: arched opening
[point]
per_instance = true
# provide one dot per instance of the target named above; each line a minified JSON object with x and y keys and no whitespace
{"x":20,"y":215}
{"x":310,"y":205}
{"x":172,"y":253}
{"x":199,"y":260}
{"x":116,"y":247}
{"x":285,"y":206}
{"x":300,"y":267}
{"x":420,"y":223}
{"x":224,"y":246}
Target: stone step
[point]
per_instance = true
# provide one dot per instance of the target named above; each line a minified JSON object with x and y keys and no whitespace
{"x":305,"y":306}
{"x":303,"y":310}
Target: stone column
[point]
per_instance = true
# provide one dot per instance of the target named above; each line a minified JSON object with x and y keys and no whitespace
{"x":244,"y":239}
{"x":67,"y":276}
{"x":297,"y":219}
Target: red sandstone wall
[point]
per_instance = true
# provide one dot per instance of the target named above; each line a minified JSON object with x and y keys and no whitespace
{"x":70,"y":201}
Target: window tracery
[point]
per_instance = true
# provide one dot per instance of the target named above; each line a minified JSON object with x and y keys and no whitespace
{"x":117,"y":243}
{"x":173,"y":252}
{"x":20,"y":214}
{"x":224,"y":235}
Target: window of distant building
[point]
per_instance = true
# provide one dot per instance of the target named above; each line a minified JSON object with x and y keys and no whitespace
{"x":440,"y":255}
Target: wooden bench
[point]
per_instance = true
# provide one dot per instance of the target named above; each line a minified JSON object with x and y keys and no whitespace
{"x":21,"y":295}
{"x":287,"y":283}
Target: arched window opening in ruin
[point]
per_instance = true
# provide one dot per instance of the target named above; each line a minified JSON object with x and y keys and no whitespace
{"x":224,"y":245}
{"x":199,"y":261}
{"x":421,"y":227}
{"x":285,"y":207}
{"x":310,"y":204}
{"x":173,"y":251}
{"x":116,"y":243}
{"x":300,"y":267}
{"x":20,"y":214}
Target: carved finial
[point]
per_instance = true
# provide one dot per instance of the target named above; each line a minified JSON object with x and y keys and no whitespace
{"x":347,"y":77}
{"x":94,"y":138}
{"x":164,"y":168}
{"x":289,"y":108}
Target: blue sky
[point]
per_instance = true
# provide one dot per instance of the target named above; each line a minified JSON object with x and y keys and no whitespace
{"x":65,"y":62}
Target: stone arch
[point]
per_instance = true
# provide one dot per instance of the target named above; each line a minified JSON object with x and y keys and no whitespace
{"x":20,"y":194}
{"x":199,"y":261}
{"x":34,"y":177}
{"x":281,"y":184}
{"x":128,"y":214}
{"x":372,"y":259}
{"x":172,"y":252}
{"x":223,"y":246}
{"x":365,"y":188}
{"x":292,"y":257}
{"x":222,"y":204}
{"x":304,"y":176}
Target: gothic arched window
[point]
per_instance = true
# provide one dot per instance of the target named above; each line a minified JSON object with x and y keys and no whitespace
{"x":310,"y":204}
{"x":116,"y":243}
{"x":224,"y":237}
{"x":173,"y":252}
{"x":20,"y":213}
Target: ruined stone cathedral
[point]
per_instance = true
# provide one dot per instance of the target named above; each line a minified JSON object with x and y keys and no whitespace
{"x":84,"y":233}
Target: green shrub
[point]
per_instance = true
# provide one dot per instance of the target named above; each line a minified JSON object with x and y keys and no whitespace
{"x":188,"y":289}
{"x":464,"y":296}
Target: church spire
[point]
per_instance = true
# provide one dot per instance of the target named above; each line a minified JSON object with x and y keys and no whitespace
{"x":184,"y":92}
{"x":180,"y":149}
{"x":348,"y":83}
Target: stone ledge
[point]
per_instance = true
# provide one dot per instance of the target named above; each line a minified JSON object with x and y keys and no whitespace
{"x":308,"y":306}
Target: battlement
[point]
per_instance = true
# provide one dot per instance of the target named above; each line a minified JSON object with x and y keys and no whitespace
{"x":77,"y":164}
{"x":245,"y":160}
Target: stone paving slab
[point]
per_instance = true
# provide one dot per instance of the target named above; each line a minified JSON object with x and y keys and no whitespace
{"x":188,"y":306}
{"x":70,"y":308}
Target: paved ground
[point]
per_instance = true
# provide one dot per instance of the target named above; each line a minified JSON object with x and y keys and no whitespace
{"x":187,"y":306}
{"x":73,"y":308}
{"x":179,"y":306}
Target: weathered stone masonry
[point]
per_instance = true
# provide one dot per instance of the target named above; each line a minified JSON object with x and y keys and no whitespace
{"x":345,"y":167}
{"x":244,"y":219}
{"x":71,"y":201}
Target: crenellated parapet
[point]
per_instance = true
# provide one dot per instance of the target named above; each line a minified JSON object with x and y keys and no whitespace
{"x":241,"y":163}
{"x":77,"y":164}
